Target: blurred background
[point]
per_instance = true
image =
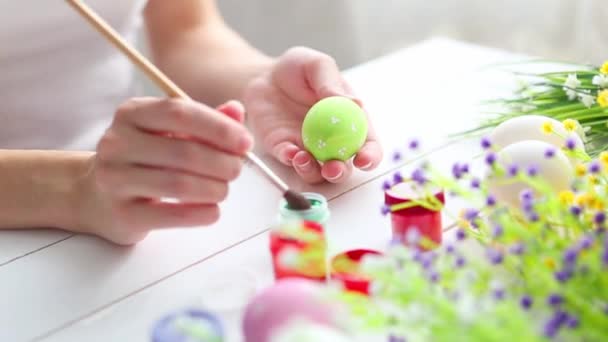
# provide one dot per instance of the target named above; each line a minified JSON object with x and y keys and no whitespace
{"x":354,"y":31}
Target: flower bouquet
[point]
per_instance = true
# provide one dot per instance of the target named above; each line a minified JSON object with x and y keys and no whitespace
{"x":580,"y":94}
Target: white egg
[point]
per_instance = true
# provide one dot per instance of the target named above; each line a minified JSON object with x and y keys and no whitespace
{"x":529,"y":127}
{"x":556,"y":171}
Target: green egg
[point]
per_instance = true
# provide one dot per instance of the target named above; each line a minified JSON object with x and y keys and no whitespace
{"x":334,"y":128}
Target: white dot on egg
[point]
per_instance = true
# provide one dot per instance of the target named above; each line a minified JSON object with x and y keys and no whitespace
{"x":322,"y":144}
{"x":334,"y":120}
{"x":353,"y":127}
{"x":342,"y":151}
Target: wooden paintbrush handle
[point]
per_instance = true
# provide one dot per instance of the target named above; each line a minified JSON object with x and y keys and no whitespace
{"x":157,"y":76}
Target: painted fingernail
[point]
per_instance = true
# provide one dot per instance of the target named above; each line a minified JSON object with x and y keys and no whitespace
{"x":303,"y":164}
{"x":336,"y":176}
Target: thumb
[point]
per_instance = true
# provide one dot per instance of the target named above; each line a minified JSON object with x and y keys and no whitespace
{"x":233,"y":109}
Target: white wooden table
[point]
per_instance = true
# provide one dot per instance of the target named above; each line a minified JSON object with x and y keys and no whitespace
{"x":56,"y":286}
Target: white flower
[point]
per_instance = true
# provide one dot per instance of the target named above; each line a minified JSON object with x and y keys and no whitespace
{"x":334,"y":120}
{"x":572,"y":82}
{"x":353,"y":127}
{"x":342,"y":151}
{"x":587,"y":100}
{"x":570,"y":85}
{"x":600,"y":81}
{"x":321,"y":144}
{"x":571,"y":94}
{"x":303,"y":330}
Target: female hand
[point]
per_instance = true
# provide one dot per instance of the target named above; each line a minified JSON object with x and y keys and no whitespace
{"x":277,"y":102}
{"x":163,"y":148}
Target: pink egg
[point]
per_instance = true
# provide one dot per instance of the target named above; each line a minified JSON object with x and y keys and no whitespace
{"x":287,"y":300}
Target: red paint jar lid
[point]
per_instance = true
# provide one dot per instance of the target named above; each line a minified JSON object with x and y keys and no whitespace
{"x":406,"y":191}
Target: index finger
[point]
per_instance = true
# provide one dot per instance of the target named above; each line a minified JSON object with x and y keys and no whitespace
{"x":187,"y":118}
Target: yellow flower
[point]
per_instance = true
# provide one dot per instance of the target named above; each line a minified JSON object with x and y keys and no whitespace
{"x":547,"y":127}
{"x":604,"y":158}
{"x":570,"y":125}
{"x":549,"y":262}
{"x":581,"y":170}
{"x":597,"y":204}
{"x":582,"y":200}
{"x":566,"y":197}
{"x":602,"y":98}
{"x":604,"y":68}
{"x":593,"y":180}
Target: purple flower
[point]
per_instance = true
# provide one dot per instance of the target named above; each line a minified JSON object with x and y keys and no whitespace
{"x":555,"y":299}
{"x":386,"y":185}
{"x":414,"y":144}
{"x":576,"y":211}
{"x":586,"y":242}
{"x":434,"y":276}
{"x":397,"y":178}
{"x":461,"y":234}
{"x":552,"y":326}
{"x":532,"y":170}
{"x":495,"y":256}
{"x":471,"y":214}
{"x":572,"y":322}
{"x":464,"y":168}
{"x":563,"y":275}
{"x":526,"y":302}
{"x":449,"y":249}
{"x":456,"y":171}
{"x":394,"y":338}
{"x":513,"y":170}
{"x":418,"y":176}
{"x":397,"y":156}
{"x":605,"y":256}
{"x":385,"y":210}
{"x":460,"y":262}
{"x":526,"y":195}
{"x":571,"y":143}
{"x":486,"y":143}
{"x":594,"y":167}
{"x":490,"y":158}
{"x":499,"y":294}
{"x":490,"y":201}
{"x":497,"y":231}
{"x":475,"y":183}
{"x":550,"y":153}
{"x":518,"y":248}
{"x":533,"y":217}
{"x":599,"y":217}
{"x":570,"y":256}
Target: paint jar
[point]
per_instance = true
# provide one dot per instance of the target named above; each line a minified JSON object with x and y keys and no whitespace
{"x":297,"y":242}
{"x":188,"y":325}
{"x":345,"y":269}
{"x":415,"y":223}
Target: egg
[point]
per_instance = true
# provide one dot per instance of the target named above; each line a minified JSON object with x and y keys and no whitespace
{"x":557,"y":171}
{"x":283,"y":303}
{"x":335,"y":128}
{"x":529,"y":127}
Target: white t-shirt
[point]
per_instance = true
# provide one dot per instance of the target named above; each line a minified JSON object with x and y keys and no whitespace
{"x":60,"y":80}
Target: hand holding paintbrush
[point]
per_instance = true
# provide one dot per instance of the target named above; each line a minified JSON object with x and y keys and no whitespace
{"x":295,"y":200}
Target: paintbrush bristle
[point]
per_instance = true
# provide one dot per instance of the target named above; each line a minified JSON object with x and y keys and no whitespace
{"x":296,"y":201}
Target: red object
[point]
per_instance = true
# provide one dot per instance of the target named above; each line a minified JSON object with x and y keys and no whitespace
{"x":428,"y":222}
{"x":350,"y":281}
{"x":279,"y":242}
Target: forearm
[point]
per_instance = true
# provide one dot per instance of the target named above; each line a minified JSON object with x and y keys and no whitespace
{"x":209,"y":60}
{"x":40,"y":188}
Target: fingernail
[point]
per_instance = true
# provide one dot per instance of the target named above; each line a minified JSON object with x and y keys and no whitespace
{"x":245,"y":143}
{"x":366,"y":166}
{"x":336,"y":176}
{"x":304,"y":166}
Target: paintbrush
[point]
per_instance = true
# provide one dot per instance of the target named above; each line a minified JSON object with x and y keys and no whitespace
{"x":295,"y":200}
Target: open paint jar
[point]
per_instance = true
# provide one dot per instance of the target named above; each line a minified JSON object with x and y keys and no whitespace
{"x":318,"y":211}
{"x":188,"y":325}
{"x":345,"y":268}
{"x":298,"y":249}
{"x":410,"y":219}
